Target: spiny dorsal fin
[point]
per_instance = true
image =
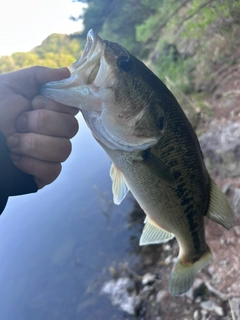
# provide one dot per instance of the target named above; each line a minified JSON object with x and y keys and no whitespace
{"x":119,"y":186}
{"x":153,"y":234}
{"x":219,"y":209}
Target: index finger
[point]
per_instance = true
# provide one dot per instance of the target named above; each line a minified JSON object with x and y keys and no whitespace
{"x":41,"y":102}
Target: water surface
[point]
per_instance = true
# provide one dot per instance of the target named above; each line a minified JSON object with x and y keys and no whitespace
{"x":57,"y":245}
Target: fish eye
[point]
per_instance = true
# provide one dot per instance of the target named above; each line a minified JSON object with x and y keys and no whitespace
{"x":125,"y":63}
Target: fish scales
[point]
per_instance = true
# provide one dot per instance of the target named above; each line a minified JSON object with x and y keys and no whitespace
{"x":175,"y":149}
{"x":183,"y":196}
{"x":154,"y":151}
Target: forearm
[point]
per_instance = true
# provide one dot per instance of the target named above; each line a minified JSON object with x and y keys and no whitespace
{"x":12,"y":180}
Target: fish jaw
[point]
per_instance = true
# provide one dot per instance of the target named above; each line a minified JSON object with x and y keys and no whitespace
{"x":67,"y":92}
{"x":88,"y":74}
{"x":93,"y":86}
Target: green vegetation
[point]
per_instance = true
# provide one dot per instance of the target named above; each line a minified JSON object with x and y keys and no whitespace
{"x":185,"y":42}
{"x":56,"y":51}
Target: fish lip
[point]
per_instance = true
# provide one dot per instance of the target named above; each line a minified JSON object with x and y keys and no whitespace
{"x":94,"y":48}
{"x":81,"y":84}
{"x":92,"y":39}
{"x":92,"y":53}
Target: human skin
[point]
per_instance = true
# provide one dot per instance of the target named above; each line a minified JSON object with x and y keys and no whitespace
{"x":38,"y":130}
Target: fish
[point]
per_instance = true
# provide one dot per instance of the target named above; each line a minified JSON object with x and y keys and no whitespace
{"x":154,"y":150}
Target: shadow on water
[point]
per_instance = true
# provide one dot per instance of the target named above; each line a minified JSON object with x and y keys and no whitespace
{"x":58,"y":244}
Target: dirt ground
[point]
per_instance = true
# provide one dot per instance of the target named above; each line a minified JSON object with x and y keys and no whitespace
{"x":216,"y":291}
{"x":218,"y":283}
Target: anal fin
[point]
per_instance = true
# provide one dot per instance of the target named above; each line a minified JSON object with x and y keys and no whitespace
{"x":219,"y":209}
{"x":153,"y":234}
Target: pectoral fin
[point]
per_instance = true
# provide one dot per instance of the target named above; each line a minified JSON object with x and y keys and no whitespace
{"x":219,"y":209}
{"x":153,"y":234}
{"x":158,"y":168}
{"x":119,"y":186}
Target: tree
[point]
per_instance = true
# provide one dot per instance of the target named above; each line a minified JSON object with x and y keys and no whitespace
{"x":55,"y":51}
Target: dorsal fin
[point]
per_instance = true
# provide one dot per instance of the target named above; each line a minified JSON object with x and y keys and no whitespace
{"x":219,"y":209}
{"x":119,"y":186}
{"x":153,"y":234}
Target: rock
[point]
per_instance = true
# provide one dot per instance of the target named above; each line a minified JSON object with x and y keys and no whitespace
{"x":161,"y":295}
{"x":148,"y":278}
{"x":168,"y":260}
{"x":236,"y":200}
{"x":237,"y":230}
{"x":167,"y":247}
{"x":197,"y":315}
{"x":221,"y":149}
{"x":146,"y":288}
{"x":211,"y":306}
{"x":211,"y":270}
{"x":122,"y":293}
{"x":204,"y":313}
{"x":235,"y":308}
{"x":198,"y":289}
{"x":226,"y":187}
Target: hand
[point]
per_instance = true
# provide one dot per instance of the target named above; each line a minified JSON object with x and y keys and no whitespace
{"x":38,"y":130}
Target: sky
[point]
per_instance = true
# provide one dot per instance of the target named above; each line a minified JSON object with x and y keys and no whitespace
{"x":24,"y":24}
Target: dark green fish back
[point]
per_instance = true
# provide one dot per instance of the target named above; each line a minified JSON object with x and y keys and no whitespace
{"x":179,"y":149}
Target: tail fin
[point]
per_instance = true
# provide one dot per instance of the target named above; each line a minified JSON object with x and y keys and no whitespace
{"x":182,"y":275}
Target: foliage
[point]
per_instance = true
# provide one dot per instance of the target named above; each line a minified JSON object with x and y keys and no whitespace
{"x":56,"y":51}
{"x":183,"y":40}
{"x":116,"y":20}
{"x":97,"y":8}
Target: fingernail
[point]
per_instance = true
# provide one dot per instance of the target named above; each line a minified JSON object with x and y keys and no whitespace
{"x":14,"y":157}
{"x":12,"y":141}
{"x":39,"y":102}
{"x":21,"y":123}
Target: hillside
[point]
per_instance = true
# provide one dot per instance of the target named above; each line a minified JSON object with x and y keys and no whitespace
{"x":192,"y":45}
{"x":57,"y":50}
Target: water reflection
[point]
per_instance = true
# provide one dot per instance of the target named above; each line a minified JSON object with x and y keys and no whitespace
{"x":56,"y":245}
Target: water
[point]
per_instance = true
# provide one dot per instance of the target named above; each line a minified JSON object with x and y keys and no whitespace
{"x":57,"y":245}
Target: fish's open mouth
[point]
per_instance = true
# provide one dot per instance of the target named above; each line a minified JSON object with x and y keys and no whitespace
{"x":87,"y":74}
{"x":91,"y":55}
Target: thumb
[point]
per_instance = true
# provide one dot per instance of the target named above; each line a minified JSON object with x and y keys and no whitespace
{"x":27,"y":82}
{"x":44,"y":74}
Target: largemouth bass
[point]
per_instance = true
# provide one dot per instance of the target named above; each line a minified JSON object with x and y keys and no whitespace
{"x":154,"y":150}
